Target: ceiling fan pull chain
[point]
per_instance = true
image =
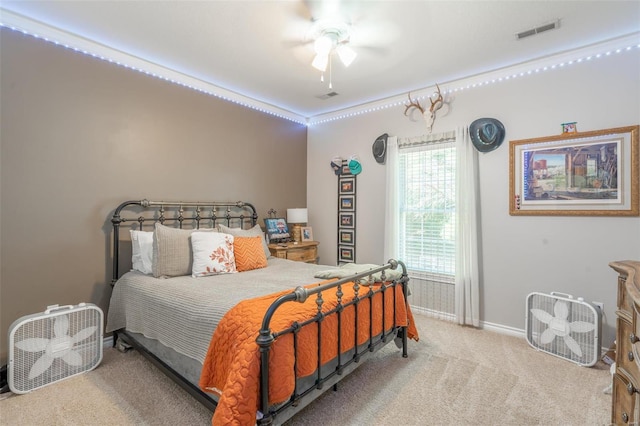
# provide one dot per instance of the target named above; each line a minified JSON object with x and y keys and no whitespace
{"x":330,"y":73}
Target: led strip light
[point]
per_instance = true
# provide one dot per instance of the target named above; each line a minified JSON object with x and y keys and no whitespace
{"x":34,"y":29}
{"x":630,"y":43}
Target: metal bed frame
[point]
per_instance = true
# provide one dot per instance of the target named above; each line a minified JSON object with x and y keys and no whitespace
{"x":198,"y":214}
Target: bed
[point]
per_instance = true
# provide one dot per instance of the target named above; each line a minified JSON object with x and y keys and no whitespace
{"x":252,"y":337}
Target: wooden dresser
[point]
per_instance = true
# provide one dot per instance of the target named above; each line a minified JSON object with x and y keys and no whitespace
{"x":626,"y":381}
{"x":306,"y":251}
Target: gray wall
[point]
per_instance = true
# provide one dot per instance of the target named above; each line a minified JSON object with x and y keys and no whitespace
{"x":80,"y":135}
{"x":520,"y":254}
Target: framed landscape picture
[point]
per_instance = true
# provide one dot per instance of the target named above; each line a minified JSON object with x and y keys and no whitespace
{"x":576,"y":174}
{"x":347,"y":203}
{"x":345,"y":254}
{"x":346,"y":236}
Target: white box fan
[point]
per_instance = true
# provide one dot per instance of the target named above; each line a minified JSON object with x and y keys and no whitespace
{"x":560,"y":325}
{"x":59,"y":343}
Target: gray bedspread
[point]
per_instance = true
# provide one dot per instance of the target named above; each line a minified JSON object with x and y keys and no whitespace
{"x":183,"y":312}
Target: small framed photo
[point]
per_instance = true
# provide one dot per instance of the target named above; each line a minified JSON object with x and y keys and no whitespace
{"x":277,"y":229}
{"x":346,"y":236}
{"x":346,"y":220}
{"x":347,"y":203}
{"x":306,"y":233}
{"x":570,"y":127}
{"x":345,"y":254}
{"x":347,"y":186}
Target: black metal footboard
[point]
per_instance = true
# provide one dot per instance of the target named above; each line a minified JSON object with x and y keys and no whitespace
{"x":322,"y":378}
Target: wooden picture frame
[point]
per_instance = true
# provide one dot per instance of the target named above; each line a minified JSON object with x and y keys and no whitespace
{"x":576,"y":174}
{"x":306,"y":233}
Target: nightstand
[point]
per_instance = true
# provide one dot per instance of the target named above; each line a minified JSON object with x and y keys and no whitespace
{"x":306,"y":251}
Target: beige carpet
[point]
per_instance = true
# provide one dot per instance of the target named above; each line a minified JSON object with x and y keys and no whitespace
{"x":453,"y":376}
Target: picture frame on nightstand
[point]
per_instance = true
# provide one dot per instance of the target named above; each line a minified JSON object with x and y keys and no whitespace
{"x":306,"y":233}
{"x":277,"y":229}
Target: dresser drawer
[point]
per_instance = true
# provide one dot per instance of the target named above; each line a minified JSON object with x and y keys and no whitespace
{"x":627,"y":348}
{"x":306,"y":251}
{"x":307,"y":254}
{"x":625,"y":404}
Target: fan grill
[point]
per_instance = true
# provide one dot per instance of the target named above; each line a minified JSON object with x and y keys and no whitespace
{"x":52,"y":346}
{"x":570,"y":329}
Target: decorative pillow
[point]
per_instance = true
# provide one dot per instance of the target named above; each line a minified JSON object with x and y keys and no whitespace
{"x":253,"y":232}
{"x":142,"y":251}
{"x":212,"y":254}
{"x":172,"y":255}
{"x":249,"y":253}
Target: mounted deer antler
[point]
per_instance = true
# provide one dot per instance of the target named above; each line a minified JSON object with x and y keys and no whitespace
{"x":430,"y":116}
{"x":413,"y":104}
{"x":437,"y":104}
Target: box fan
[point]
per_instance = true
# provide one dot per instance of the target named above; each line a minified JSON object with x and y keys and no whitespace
{"x":59,"y":343}
{"x":560,"y":325}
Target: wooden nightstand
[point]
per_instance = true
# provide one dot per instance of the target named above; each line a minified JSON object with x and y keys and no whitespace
{"x":306,"y":251}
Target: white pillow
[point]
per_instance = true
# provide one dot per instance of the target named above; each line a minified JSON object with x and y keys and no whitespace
{"x":142,"y":251}
{"x":172,"y":253}
{"x":212,"y":254}
{"x":253,"y":232}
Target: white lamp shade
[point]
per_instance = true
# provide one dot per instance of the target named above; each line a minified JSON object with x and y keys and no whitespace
{"x":297,"y":216}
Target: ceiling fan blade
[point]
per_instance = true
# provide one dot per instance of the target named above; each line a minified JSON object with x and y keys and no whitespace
{"x":375,"y":50}
{"x":292,"y":44}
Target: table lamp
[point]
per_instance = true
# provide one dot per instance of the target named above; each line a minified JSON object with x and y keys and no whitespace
{"x":296,"y":218}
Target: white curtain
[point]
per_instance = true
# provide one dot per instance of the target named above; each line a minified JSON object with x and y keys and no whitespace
{"x":467,"y":275}
{"x":392,"y":208}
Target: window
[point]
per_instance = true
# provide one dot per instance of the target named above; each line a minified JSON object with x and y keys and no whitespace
{"x":427,"y":195}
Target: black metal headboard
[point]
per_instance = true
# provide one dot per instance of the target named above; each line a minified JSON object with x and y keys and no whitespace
{"x":183,"y":215}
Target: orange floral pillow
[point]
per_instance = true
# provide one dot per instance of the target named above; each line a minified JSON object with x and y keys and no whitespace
{"x":249,"y":253}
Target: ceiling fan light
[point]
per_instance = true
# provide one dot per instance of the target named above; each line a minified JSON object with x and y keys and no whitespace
{"x":320,"y":62}
{"x":323,"y":45}
{"x":347,"y":55}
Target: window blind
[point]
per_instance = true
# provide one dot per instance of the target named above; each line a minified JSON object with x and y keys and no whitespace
{"x":427,"y":190}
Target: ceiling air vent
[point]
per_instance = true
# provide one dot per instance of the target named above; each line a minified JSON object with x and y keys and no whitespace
{"x":327,"y":96}
{"x":542,"y":28}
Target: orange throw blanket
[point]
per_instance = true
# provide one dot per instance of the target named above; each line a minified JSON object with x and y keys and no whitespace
{"x":232,"y":365}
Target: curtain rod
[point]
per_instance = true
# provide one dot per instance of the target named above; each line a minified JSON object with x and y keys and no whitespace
{"x":437,"y":138}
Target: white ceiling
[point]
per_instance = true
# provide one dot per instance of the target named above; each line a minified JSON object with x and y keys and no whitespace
{"x":256,"y":48}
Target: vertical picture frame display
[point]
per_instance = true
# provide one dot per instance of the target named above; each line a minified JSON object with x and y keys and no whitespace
{"x":346,"y":216}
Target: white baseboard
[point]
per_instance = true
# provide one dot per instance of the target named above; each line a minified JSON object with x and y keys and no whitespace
{"x":503,"y":329}
{"x":499,"y":328}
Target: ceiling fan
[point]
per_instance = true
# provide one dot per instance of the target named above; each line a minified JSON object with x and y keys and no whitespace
{"x":329,"y":28}
{"x":331,"y":36}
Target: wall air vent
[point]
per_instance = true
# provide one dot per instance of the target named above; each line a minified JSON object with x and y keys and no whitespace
{"x":542,"y":28}
{"x":327,"y":95}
